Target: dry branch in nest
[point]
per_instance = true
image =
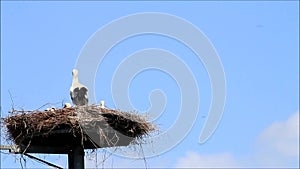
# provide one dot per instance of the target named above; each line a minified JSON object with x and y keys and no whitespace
{"x":91,"y":126}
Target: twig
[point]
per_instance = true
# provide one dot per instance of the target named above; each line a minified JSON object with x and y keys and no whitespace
{"x":28,"y":144}
{"x":12,"y":101}
{"x":22,"y":158}
{"x":144,"y":158}
{"x":42,"y":106}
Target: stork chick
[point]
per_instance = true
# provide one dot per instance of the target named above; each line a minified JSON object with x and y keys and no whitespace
{"x":102,"y":104}
{"x":67,"y":105}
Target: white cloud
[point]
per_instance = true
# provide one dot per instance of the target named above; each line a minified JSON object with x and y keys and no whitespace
{"x":278,"y":144}
{"x":195,"y":160}
{"x":282,"y":137}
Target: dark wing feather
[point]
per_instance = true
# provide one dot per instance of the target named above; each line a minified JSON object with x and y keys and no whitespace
{"x":79,"y":96}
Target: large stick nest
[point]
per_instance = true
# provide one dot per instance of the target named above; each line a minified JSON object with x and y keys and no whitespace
{"x":92,"y":126}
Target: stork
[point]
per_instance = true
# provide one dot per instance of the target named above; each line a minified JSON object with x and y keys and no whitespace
{"x":78,"y":92}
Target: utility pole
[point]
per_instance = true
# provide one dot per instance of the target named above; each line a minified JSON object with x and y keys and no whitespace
{"x":76,"y":157}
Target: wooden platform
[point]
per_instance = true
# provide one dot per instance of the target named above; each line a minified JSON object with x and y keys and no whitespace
{"x":62,"y":141}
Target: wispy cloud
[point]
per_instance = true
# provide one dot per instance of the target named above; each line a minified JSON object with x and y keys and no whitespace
{"x":282,"y":137}
{"x":276,"y":146}
{"x":195,"y":160}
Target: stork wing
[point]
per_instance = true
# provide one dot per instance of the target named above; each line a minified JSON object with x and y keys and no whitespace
{"x":79,"y":96}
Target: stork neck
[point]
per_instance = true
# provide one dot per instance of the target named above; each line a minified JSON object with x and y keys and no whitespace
{"x":75,"y":79}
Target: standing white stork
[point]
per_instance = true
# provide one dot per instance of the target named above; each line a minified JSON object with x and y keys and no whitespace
{"x":78,"y":92}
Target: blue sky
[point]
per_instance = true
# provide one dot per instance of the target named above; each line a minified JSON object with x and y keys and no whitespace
{"x":258,"y":45}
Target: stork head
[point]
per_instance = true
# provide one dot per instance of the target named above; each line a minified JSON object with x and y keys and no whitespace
{"x":75,"y":72}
